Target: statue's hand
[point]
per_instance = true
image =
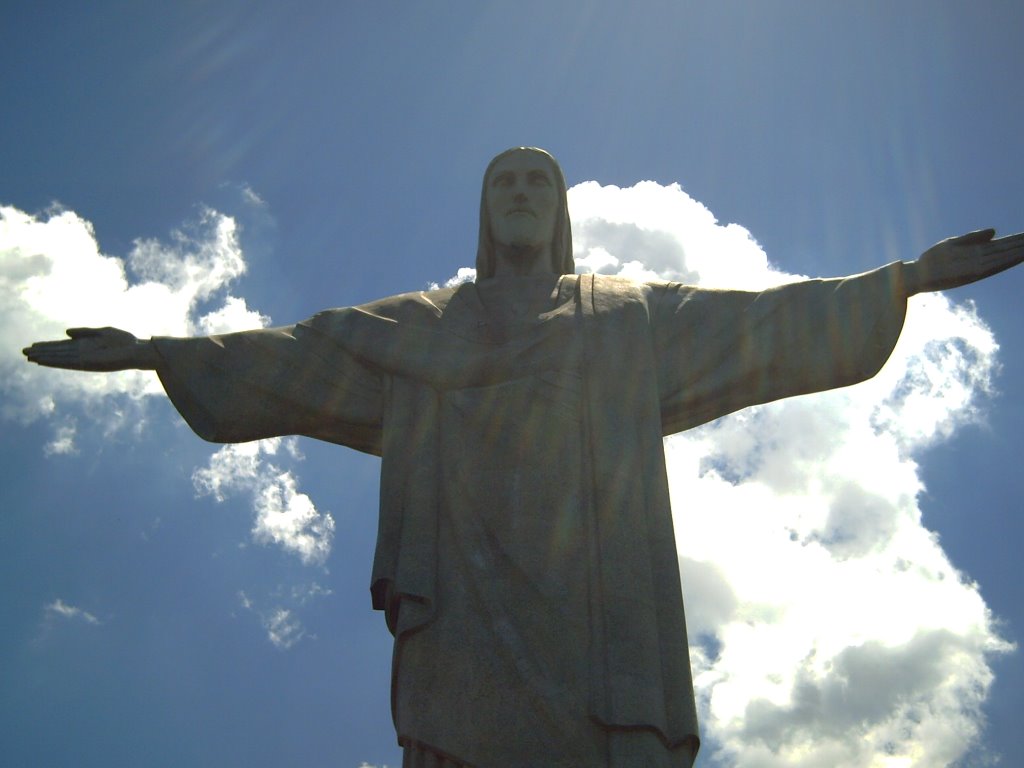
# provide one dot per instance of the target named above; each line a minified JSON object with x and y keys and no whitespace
{"x":94,"y":349}
{"x":962,"y":260}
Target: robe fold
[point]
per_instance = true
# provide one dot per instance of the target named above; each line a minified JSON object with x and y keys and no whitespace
{"x":523,"y":484}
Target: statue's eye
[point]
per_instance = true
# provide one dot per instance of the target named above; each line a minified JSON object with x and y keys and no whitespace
{"x":539,"y":179}
{"x":502,"y":180}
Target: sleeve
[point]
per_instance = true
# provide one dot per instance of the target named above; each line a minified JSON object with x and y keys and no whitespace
{"x":719,"y":351}
{"x":293,"y":380}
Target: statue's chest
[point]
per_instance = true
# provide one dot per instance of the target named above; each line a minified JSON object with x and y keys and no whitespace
{"x":512,"y":455}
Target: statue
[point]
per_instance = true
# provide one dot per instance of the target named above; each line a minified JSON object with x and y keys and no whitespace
{"x":525,"y":560}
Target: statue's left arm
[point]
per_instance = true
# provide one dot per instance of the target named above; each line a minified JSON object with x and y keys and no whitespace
{"x":719,"y":351}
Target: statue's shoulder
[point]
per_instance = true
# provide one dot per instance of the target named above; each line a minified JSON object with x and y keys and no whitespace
{"x":419,"y":307}
{"x":413,"y":306}
{"x":622,"y":290}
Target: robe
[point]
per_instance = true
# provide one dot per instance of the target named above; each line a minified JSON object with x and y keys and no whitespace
{"x":534,"y":594}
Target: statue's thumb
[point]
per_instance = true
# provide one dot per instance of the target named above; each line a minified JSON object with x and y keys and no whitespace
{"x":974,"y":238}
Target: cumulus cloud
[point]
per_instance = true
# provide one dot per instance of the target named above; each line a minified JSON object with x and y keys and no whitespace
{"x":59,"y":609}
{"x":53,"y":276}
{"x":284,"y":516}
{"x":463,"y":275}
{"x":828,"y":626}
{"x":654,"y":232}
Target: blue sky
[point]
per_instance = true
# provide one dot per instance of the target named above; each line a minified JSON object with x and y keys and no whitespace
{"x":144,"y":622}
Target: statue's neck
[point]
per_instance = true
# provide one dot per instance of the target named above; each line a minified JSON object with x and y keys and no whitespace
{"x":522,"y":260}
{"x":507,"y":299}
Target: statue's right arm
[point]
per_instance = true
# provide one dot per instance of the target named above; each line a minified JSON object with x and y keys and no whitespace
{"x":95,"y":349}
{"x":962,"y":260}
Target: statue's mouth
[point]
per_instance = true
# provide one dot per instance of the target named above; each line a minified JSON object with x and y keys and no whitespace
{"x":527,"y":211}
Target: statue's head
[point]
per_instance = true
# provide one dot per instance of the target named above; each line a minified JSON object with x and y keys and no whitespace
{"x":523,"y":206}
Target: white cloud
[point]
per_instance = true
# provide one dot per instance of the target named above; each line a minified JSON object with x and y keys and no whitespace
{"x":301,"y":594}
{"x":252,"y":197}
{"x":53,"y":276}
{"x":63,"y":441}
{"x":464,"y":275}
{"x":828,"y":627}
{"x":284,"y":516}
{"x":283,"y":629}
{"x":59,"y":608}
{"x":653,"y":232}
{"x":281,"y":621}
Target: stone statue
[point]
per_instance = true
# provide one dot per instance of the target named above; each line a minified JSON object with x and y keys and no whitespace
{"x":525,"y":560}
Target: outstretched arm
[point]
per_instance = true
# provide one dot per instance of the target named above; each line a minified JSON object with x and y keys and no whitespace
{"x":95,"y":349}
{"x":236,"y":387}
{"x":962,"y":260}
{"x":719,"y":350}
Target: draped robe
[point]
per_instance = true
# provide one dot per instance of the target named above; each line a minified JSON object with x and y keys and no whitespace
{"x":526,"y":558}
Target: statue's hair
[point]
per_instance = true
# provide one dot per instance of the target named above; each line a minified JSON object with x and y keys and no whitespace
{"x":562,"y":262}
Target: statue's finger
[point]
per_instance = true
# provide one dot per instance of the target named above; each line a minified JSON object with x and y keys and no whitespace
{"x":52,"y":350}
{"x":40,"y":351}
{"x":46,"y":346}
{"x":1010,"y":241}
{"x":82,"y":333}
{"x":1005,"y":248}
{"x":1004,"y":259}
{"x":974,"y":238}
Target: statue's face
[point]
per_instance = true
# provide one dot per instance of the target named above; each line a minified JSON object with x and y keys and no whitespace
{"x":522,"y":200}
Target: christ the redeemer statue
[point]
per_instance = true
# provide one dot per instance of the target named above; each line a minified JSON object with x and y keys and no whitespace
{"x":526,"y":562}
